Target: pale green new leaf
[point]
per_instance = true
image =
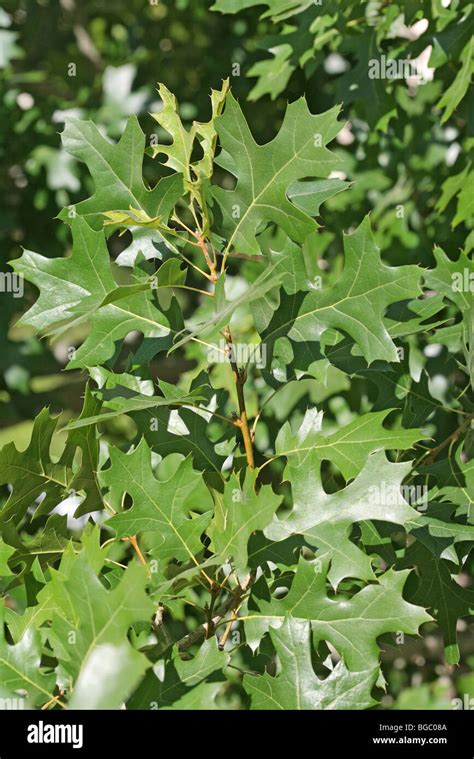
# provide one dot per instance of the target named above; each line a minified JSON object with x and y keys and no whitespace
{"x":178,"y":154}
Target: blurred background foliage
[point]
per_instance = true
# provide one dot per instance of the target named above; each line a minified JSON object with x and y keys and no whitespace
{"x":401,"y":149}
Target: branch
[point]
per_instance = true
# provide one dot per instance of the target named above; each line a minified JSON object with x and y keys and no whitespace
{"x":244,"y":256}
{"x":240,"y":376}
{"x":230,"y":604}
{"x":430,"y":456}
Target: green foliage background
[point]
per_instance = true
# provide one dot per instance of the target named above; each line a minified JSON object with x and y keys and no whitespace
{"x":405,"y":160}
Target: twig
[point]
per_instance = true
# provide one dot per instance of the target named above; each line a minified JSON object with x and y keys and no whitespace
{"x":132,"y":539}
{"x":160,"y":627}
{"x":225,"y":635}
{"x":211,"y":264}
{"x":243,"y":256}
{"x":54,"y":700}
{"x":234,"y":601}
{"x":240,"y":376}
{"x":430,"y":455}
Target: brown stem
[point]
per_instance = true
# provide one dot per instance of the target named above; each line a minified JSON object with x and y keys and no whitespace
{"x":233,"y":602}
{"x":209,"y":609}
{"x":132,"y":539}
{"x":243,"y":256}
{"x":225,"y":635}
{"x":54,"y":700}
{"x":240,"y":376}
{"x":211,"y":264}
{"x":159,"y":626}
{"x":433,"y":453}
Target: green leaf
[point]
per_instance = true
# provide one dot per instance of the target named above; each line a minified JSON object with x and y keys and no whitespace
{"x":452,"y":187}
{"x":20,"y":666}
{"x":32,"y":472}
{"x":6,"y":552}
{"x":432,"y":586}
{"x":455,"y":93}
{"x":179,"y":684}
{"x":309,"y":196}
{"x":274,"y":73}
{"x":85,"y":479}
{"x":351,"y":624}
{"x":91,"y":616}
{"x":70,"y":288}
{"x":452,"y":279}
{"x":178,"y":154}
{"x":355,"y":304}
{"x":349,"y":447}
{"x":81,"y":288}
{"x":224,"y":309}
{"x":46,"y":545}
{"x":326,"y":520}
{"x":136,"y":403}
{"x":53,"y":595}
{"x":186,"y":430}
{"x":357,"y":85}
{"x":275,"y":7}
{"x":110,"y":673}
{"x":455,"y":482}
{"x":297,"y":687}
{"x":163,"y":508}
{"x":241,"y":512}
{"x":264,"y":173}
{"x":116,"y":170}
